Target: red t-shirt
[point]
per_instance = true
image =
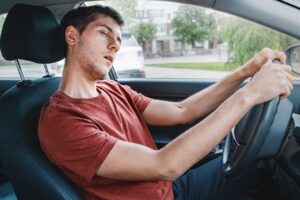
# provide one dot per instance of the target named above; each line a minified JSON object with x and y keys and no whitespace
{"x":78,"y":134}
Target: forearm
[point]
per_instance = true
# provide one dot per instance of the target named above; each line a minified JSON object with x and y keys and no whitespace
{"x":208,"y":99}
{"x":129,"y":161}
{"x":194,"y":144}
{"x":168,"y":163}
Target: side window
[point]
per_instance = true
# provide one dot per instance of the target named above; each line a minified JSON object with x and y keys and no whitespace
{"x":183,"y":41}
{"x":8,"y":69}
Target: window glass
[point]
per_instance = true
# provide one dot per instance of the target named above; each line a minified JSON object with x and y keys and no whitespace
{"x":128,"y":40}
{"x":172,"y":40}
{"x":30,"y":69}
{"x":182,"y":41}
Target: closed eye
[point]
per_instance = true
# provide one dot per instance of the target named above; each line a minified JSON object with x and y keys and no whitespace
{"x":105,"y":34}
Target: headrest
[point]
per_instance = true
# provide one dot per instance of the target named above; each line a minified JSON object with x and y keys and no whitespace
{"x":31,"y":33}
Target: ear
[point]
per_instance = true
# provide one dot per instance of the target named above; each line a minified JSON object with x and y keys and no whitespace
{"x":71,"y":35}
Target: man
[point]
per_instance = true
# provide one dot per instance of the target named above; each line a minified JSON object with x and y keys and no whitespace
{"x":96,"y":133}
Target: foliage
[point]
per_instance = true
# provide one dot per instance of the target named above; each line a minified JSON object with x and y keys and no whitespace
{"x":246,"y":38}
{"x":126,"y":9}
{"x":192,"y":24}
{"x":144,"y":31}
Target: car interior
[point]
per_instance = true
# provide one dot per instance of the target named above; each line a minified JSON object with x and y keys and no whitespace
{"x":26,"y":173}
{"x":25,"y":101}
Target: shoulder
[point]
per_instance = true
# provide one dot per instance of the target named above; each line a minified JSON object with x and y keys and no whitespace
{"x":58,"y":109}
{"x":113,"y":86}
{"x":59,"y":103}
{"x":108,"y":84}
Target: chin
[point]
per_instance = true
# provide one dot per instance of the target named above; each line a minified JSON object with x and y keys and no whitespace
{"x":101,"y":74}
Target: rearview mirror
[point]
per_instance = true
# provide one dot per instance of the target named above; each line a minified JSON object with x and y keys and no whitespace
{"x":293,"y":57}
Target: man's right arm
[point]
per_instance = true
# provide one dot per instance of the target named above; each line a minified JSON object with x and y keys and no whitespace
{"x":128,"y":161}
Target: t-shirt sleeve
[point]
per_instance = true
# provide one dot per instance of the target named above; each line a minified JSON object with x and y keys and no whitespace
{"x":75,"y":144}
{"x":139,"y":99}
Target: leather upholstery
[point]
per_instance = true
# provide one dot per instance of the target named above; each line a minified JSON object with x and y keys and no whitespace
{"x":32,"y":176}
{"x":31,"y":33}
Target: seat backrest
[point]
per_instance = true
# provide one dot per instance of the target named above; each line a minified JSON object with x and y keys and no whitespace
{"x":31,"y":174}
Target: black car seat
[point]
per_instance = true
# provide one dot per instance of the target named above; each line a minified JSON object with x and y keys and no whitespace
{"x":30,"y":33}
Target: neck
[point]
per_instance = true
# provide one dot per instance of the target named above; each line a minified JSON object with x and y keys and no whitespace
{"x":75,"y":82}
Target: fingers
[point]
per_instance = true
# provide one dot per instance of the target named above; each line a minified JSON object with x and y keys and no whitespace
{"x":273,"y":55}
{"x":273,"y":80}
{"x":286,"y":93}
{"x":277,"y":76}
{"x":289,"y":77}
{"x":270,"y":63}
{"x":287,"y":90}
{"x":280,"y":56}
{"x":267,"y":64}
{"x":289,"y":86}
{"x":283,"y":75}
{"x":287,"y":74}
{"x":263,"y":57}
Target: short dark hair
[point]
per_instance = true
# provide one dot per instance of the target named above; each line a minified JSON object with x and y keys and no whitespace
{"x":83,"y":16}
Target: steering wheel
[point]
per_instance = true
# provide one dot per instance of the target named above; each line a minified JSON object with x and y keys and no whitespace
{"x":244,"y":143}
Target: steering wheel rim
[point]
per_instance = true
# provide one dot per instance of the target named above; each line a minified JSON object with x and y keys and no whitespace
{"x":244,"y":143}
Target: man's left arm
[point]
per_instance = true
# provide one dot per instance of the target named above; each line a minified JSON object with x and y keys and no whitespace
{"x":165,"y":113}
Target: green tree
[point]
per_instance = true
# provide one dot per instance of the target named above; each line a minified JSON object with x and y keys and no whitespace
{"x":144,"y":32}
{"x":126,"y":8}
{"x":191,"y":24}
{"x":246,"y":38}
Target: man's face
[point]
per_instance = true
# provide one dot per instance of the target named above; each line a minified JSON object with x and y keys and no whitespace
{"x":97,"y":46}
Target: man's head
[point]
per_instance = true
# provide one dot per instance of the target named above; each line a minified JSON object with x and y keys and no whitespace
{"x":82,"y":16}
{"x":92,"y":36}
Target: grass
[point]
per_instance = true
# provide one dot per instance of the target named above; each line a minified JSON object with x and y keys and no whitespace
{"x":217,"y":66}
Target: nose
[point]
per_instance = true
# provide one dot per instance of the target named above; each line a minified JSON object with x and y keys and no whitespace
{"x":114,"y":44}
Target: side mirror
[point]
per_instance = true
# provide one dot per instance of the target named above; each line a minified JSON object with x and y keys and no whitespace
{"x":293,"y":57}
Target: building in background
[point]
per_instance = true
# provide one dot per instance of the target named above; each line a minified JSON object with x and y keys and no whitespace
{"x":161,"y":15}
{"x":165,"y":43}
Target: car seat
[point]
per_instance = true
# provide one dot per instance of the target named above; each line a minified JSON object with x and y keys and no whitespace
{"x":30,"y":33}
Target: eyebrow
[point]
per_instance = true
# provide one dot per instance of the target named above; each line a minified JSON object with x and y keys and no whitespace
{"x":110,"y":30}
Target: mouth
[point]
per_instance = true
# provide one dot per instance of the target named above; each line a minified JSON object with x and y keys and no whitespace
{"x":110,"y":58}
